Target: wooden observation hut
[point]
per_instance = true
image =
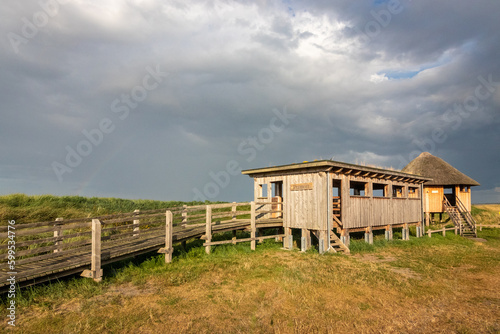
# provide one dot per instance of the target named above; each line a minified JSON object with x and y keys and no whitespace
{"x":448,"y":191}
{"x":323,"y":197}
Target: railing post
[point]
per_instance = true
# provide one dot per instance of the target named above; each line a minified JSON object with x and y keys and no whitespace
{"x":136,"y":224}
{"x":208,"y":228}
{"x":184,"y":214}
{"x":253,"y":233}
{"x":233,"y":211}
{"x":169,"y":225}
{"x":95,"y":266}
{"x":58,"y":234}
{"x":444,"y":232}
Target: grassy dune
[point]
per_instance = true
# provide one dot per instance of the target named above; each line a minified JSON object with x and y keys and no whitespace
{"x":29,"y":209}
{"x":437,"y":285}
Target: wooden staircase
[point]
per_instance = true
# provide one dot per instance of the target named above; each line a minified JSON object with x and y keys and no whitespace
{"x":336,"y":212}
{"x":336,"y":245}
{"x":461,"y":218}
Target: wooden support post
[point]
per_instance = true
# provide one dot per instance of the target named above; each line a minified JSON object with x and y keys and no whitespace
{"x":480,"y":227}
{"x":324,"y":236}
{"x":369,"y":235}
{"x":136,"y":224}
{"x":406,"y":232}
{"x":444,"y":232}
{"x":169,"y":226}
{"x":456,"y":230}
{"x":95,"y":266}
{"x":233,"y":210}
{"x":303,"y":246}
{"x":388,"y":233}
{"x":208,"y":228}
{"x":253,"y":232}
{"x":429,"y":234}
{"x":288,"y":239}
{"x":58,"y":234}
{"x":321,"y":245}
{"x":305,"y":242}
{"x":427,"y":219}
{"x":345,"y":237}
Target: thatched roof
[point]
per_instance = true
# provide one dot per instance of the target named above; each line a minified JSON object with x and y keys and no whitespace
{"x":441,"y":172}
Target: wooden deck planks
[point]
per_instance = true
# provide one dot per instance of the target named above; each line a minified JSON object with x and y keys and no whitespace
{"x":72,"y":261}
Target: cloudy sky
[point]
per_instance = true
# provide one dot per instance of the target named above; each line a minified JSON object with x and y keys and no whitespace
{"x":169,"y":100}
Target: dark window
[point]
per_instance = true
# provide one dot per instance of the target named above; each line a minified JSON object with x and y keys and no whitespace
{"x":380,"y":190}
{"x":397,"y":191}
{"x":357,"y":188}
{"x":413,"y":192}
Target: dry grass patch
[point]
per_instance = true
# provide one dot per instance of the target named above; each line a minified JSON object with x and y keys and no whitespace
{"x":438,"y":285}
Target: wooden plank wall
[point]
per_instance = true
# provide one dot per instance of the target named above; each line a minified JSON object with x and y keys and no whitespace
{"x":465,"y":197}
{"x":433,"y":198}
{"x":366,"y":211}
{"x":303,"y":208}
{"x":307,"y":205}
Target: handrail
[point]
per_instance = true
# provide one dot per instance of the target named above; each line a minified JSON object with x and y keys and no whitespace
{"x":448,"y":207}
{"x":468,"y":217}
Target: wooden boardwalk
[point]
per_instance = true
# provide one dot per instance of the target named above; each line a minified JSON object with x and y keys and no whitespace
{"x":50,"y":250}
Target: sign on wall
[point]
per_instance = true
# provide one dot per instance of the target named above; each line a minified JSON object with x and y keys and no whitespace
{"x":301,"y":186}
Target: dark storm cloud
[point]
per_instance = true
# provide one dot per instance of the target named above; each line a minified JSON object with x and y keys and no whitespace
{"x":369,"y":82}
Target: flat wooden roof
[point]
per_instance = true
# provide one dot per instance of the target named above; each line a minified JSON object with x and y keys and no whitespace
{"x":339,"y":167}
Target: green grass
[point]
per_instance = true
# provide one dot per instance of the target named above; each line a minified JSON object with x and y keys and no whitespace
{"x":28,"y":209}
{"x":421,"y":285}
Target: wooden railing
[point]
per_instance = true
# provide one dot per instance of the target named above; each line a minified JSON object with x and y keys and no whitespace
{"x":460,"y":215}
{"x":261,"y":216}
{"x":443,"y":231}
{"x":467,"y":215}
{"x":60,"y":245}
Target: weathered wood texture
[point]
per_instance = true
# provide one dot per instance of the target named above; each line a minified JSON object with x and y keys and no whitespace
{"x":308,"y":199}
{"x":434,"y":198}
{"x":464,"y":196}
{"x":87,"y":244}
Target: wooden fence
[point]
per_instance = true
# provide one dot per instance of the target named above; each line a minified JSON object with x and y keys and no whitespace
{"x":486,"y":226}
{"x":46,"y":250}
{"x":443,"y":231}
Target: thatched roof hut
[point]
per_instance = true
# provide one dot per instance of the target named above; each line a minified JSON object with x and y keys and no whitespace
{"x":441,"y":172}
